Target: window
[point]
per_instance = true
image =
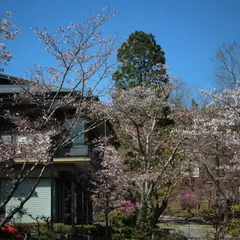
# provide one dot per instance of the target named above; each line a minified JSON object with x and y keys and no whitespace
{"x":77,"y":132}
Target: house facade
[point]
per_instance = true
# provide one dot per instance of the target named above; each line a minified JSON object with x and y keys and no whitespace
{"x":59,"y":194}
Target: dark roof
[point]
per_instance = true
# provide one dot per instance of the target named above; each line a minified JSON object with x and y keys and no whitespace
{"x":8,"y":86}
{"x":5,"y":76}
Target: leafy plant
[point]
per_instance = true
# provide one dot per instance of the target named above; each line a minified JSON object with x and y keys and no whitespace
{"x":62,"y":228}
{"x":32,"y":227}
{"x":165,"y":234}
{"x":234,"y":226}
{"x":47,"y":235}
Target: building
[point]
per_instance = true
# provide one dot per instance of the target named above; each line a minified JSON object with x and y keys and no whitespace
{"x":59,"y":194}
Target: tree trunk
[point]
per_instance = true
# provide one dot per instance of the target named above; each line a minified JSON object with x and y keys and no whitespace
{"x":224,"y":221}
{"x":106,"y":213}
{"x":146,"y":213}
{"x":159,"y":210}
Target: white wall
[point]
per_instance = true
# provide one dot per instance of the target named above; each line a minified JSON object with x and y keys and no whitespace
{"x":38,"y":205}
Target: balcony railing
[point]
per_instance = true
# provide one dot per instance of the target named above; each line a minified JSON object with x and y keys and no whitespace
{"x":72,"y":150}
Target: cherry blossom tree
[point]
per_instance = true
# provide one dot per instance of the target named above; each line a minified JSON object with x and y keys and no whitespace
{"x":81,"y":53}
{"x":58,"y":98}
{"x":150,"y":154}
{"x":110,"y":181}
{"x":32,"y":148}
{"x":8,"y":31}
{"x":213,"y":139}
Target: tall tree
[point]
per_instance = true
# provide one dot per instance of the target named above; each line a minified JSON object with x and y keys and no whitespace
{"x":81,"y":61}
{"x":110,"y":180}
{"x":213,"y":139}
{"x":227,"y":73}
{"x":150,"y":154}
{"x":141,"y":62}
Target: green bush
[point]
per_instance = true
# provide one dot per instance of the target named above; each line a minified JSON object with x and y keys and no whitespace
{"x":146,"y":217}
{"x":90,"y":230}
{"x":123,"y":224}
{"x":120,"y":231}
{"x":234,"y":226}
{"x":123,"y":233}
{"x":121,"y":218}
{"x":32,"y":227}
{"x":236,"y":211}
{"x":35,"y":230}
{"x":46,"y":235}
{"x":129,"y":233}
{"x":62,"y":228}
{"x":166,"y":235}
{"x":132,"y":233}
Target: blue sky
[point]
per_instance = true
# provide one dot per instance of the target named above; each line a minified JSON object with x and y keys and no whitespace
{"x":189,"y":31}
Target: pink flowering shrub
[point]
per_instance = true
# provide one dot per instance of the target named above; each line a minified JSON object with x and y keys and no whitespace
{"x":128,"y":206}
{"x":188,"y":200}
{"x":125,"y":215}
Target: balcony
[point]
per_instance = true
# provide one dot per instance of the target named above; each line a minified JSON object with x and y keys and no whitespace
{"x":76,"y":149}
{"x":73,"y":151}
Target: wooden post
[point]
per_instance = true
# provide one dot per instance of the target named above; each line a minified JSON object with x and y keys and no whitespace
{"x":52,"y":194}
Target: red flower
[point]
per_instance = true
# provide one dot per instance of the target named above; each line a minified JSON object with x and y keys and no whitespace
{"x":11,"y":230}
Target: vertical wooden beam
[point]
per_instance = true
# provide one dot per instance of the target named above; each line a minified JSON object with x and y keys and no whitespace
{"x":52,"y":194}
{"x":73,"y":202}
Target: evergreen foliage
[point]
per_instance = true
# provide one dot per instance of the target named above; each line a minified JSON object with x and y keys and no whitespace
{"x":142,"y":62}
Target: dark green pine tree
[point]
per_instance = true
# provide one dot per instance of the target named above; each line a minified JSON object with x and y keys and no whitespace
{"x":141,"y":62}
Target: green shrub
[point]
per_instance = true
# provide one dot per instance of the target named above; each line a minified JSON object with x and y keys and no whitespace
{"x":236,"y":211}
{"x":123,"y":233}
{"x":176,"y":236}
{"x":129,"y":233}
{"x":35,"y":230}
{"x":121,"y":218}
{"x":123,"y":224}
{"x":91,"y":230}
{"x":166,"y":235}
{"x":42,"y":231}
{"x":234,"y":226}
{"x":46,"y":235}
{"x":62,"y":228}
{"x":88,"y":228}
{"x":146,"y":217}
{"x":32,"y":227}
